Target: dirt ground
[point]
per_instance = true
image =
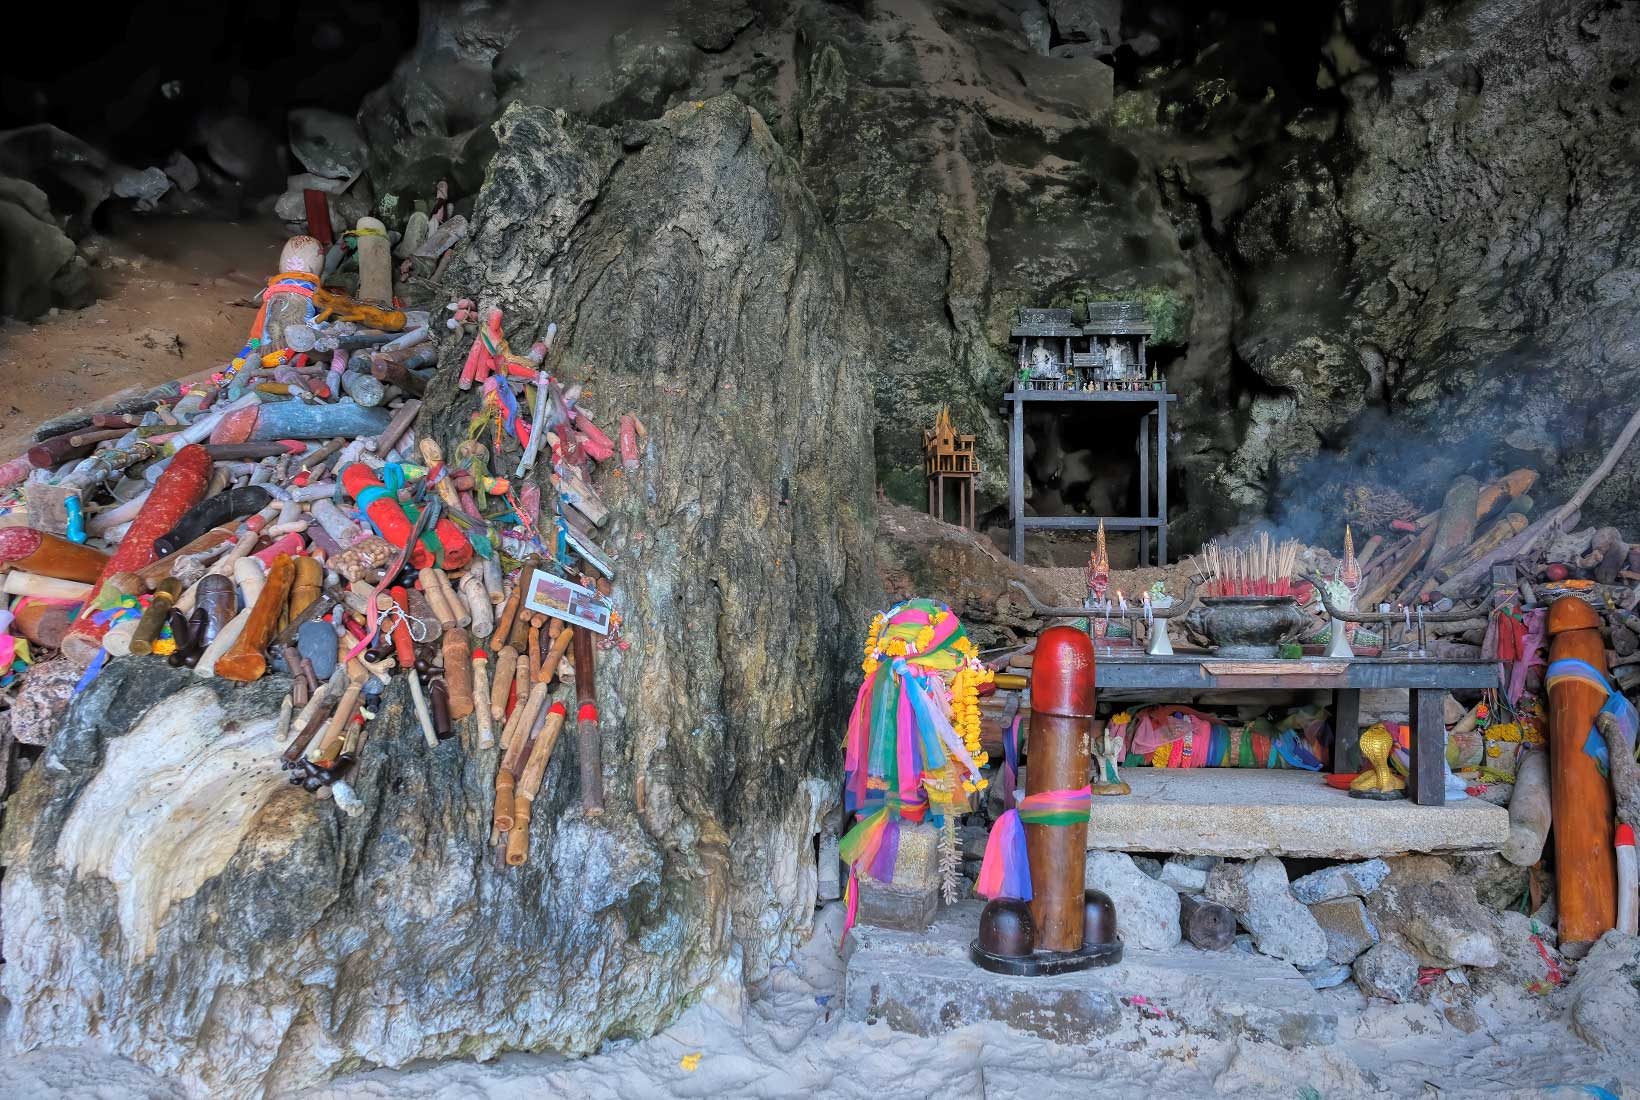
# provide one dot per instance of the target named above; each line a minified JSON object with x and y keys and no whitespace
{"x":172,"y":298}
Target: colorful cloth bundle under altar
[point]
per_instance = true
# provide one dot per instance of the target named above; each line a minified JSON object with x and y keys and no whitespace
{"x":912,"y":750}
{"x":1173,"y":736}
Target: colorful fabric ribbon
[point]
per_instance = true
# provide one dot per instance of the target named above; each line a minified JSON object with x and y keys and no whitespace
{"x":1005,"y":871}
{"x":1072,"y":807}
{"x":1571,"y":670}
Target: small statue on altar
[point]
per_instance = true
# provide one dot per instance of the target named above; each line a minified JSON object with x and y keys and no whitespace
{"x":1044,"y":364}
{"x":1108,"y":752}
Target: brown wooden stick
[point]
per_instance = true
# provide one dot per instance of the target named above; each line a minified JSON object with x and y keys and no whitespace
{"x":588,"y":736}
{"x":326,"y":748}
{"x":481,"y":699}
{"x":458,"y":671}
{"x":153,"y":616}
{"x":509,"y":611}
{"x":245,"y":661}
{"x":434,"y":592}
{"x":305,"y":586}
{"x":505,"y":663}
{"x":1206,"y":924}
{"x":1398,"y":572}
{"x":555,"y":653}
{"x":529,"y":784}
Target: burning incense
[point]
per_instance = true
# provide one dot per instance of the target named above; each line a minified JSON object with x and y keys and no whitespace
{"x":1259,"y":568}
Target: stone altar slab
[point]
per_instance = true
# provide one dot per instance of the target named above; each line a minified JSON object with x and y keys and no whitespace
{"x":1248,"y":812}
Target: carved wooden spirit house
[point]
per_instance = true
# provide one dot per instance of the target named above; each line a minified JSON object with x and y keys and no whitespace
{"x":949,"y":455}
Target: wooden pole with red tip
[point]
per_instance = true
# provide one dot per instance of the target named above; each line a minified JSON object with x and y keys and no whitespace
{"x":1062,"y":710}
{"x":1585,"y":861}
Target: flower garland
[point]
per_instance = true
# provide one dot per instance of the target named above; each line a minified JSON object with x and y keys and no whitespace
{"x":912,"y":750}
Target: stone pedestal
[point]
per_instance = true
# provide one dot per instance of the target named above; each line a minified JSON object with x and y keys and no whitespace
{"x":908,"y":902}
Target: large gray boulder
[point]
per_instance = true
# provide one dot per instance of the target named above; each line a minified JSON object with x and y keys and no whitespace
{"x":34,"y":252}
{"x":1604,"y":995}
{"x":1435,"y":910}
{"x":170,"y":898}
{"x":1147,"y":911}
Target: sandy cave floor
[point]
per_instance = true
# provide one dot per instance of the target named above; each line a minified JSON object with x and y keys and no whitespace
{"x":787,"y":1040}
{"x":172,"y":299}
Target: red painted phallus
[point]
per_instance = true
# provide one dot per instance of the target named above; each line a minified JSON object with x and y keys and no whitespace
{"x":1556,"y":571}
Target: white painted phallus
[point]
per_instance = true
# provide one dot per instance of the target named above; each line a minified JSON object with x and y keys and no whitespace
{"x":173,"y":801}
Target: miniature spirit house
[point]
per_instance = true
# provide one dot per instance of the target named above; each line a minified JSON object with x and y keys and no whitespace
{"x":1107,"y":354}
{"x":1067,"y":368}
{"x":949,"y":455}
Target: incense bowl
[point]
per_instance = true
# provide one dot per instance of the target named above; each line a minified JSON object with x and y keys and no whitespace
{"x":1247,"y":627}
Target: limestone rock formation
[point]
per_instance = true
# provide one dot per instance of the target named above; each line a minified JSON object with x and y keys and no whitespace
{"x":168,"y":896}
{"x":1356,"y":213}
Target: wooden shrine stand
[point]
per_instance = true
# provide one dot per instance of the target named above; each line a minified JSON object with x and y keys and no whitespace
{"x":1153,"y":425}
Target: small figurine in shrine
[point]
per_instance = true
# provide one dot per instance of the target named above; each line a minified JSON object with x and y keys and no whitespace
{"x":1108,"y":751}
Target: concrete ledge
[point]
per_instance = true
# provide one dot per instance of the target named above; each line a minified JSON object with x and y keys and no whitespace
{"x":1244,"y":813}
{"x":924,"y":984}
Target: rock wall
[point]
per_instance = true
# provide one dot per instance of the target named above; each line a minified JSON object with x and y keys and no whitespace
{"x":168,"y":896}
{"x":1375,"y":238}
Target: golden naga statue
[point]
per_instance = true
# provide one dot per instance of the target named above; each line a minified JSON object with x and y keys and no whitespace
{"x":1377,"y":781}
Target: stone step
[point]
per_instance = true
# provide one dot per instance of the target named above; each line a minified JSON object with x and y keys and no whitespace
{"x":924,"y":983}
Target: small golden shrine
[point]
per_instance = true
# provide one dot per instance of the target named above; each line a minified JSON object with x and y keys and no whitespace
{"x":949,"y":455}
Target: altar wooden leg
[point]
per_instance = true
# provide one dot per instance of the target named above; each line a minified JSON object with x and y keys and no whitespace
{"x":1426,"y":785}
{"x":1346,"y":758}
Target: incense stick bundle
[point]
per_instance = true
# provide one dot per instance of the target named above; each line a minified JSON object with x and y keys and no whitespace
{"x":1260,"y":568}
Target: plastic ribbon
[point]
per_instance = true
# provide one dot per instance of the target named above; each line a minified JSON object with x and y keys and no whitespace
{"x":1569,"y":669}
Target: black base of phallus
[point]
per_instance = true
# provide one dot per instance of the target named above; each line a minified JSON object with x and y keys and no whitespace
{"x":1007,"y":940}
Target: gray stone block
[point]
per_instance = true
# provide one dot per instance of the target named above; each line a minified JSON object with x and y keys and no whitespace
{"x":1147,"y":911}
{"x":1256,"y":891}
{"x":1388,"y":971}
{"x":1340,"y":881}
{"x":1348,"y":929}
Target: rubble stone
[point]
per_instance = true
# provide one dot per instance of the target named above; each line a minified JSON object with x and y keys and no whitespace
{"x":35,"y":250}
{"x":1342,"y":880}
{"x":1387,"y":971}
{"x":1348,"y":929}
{"x":1327,"y":975}
{"x":1604,"y":995}
{"x":182,"y":171}
{"x":327,"y":144}
{"x":1147,"y":911}
{"x":1436,"y":911}
{"x":1256,"y":891}
{"x":1188,"y":873}
{"x":146,"y":186}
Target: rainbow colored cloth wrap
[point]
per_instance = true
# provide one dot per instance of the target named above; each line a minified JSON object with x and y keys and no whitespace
{"x":1006,"y":870}
{"x":912,"y":750}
